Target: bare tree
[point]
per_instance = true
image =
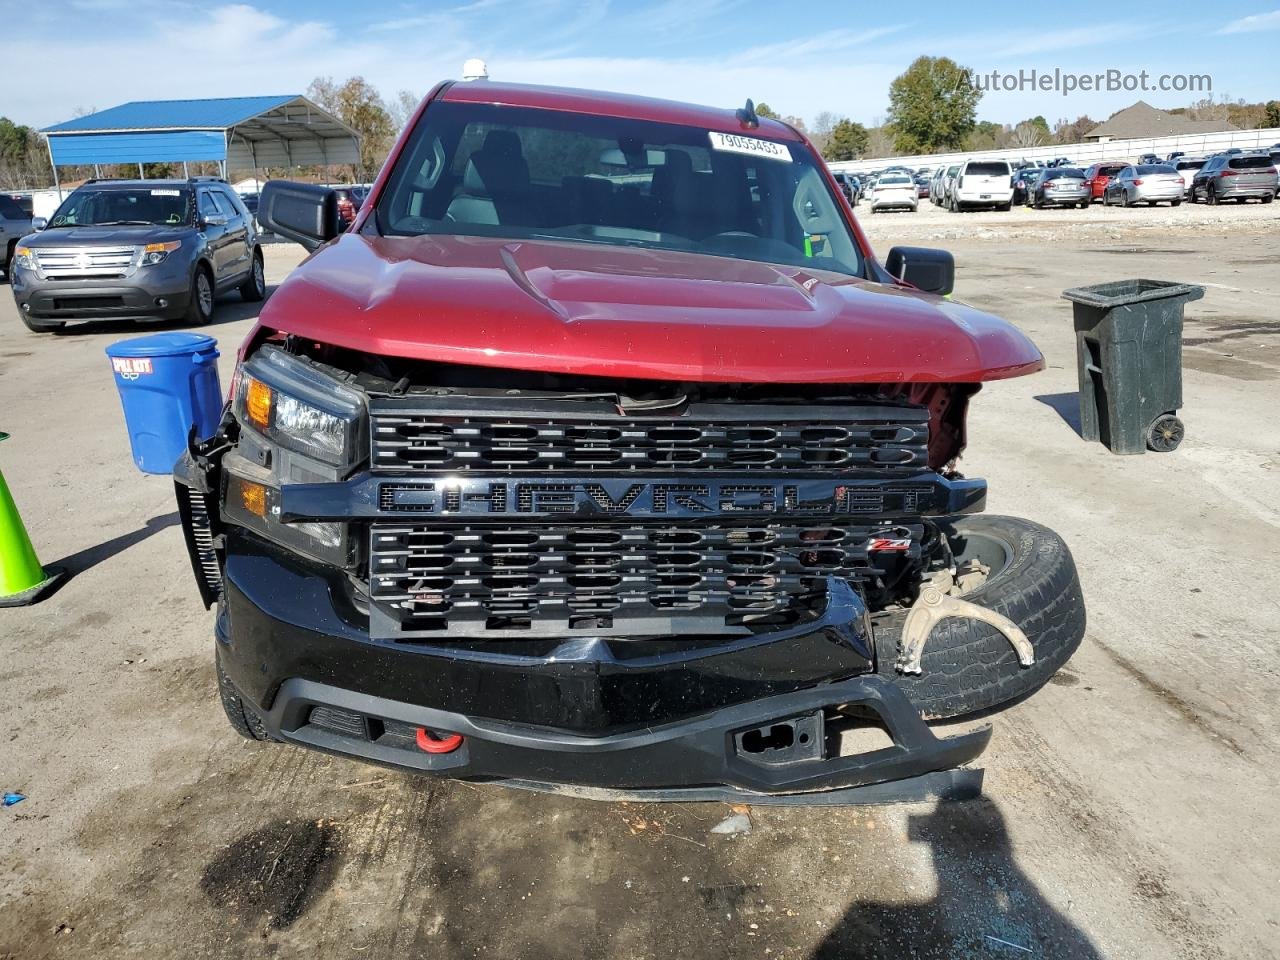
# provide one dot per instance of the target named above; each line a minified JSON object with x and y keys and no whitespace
{"x":1027,"y":134}
{"x":403,"y":107}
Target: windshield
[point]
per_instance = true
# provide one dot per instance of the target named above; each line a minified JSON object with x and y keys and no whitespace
{"x":150,"y":206}
{"x":498,"y":171}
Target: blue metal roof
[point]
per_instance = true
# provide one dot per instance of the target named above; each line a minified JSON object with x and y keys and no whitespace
{"x":214,"y":114}
{"x":166,"y":146}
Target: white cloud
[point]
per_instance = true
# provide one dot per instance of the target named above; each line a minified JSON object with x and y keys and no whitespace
{"x":1255,"y":23}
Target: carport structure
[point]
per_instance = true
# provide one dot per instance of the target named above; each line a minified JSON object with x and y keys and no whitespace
{"x":241,"y":132}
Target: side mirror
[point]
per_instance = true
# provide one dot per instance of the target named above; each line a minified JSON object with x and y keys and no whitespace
{"x":213,"y":220}
{"x":39,"y":223}
{"x":927,"y":269}
{"x":303,"y":212}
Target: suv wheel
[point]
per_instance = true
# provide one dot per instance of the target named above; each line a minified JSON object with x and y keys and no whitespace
{"x":254,"y":287}
{"x":1211,"y":195}
{"x":200,"y":305}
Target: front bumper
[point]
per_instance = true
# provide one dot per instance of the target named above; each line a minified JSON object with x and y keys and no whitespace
{"x":101,"y":299}
{"x":593,"y":715}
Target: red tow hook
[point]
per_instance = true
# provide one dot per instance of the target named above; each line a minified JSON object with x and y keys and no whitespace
{"x":429,"y":742}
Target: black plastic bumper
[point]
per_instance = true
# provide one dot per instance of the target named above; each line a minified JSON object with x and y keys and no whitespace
{"x":44,"y":300}
{"x":590,"y":716}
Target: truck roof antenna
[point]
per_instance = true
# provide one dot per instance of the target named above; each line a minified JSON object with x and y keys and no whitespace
{"x":747,"y":115}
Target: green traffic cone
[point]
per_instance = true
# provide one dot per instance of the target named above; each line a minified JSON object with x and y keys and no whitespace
{"x":22,"y":579}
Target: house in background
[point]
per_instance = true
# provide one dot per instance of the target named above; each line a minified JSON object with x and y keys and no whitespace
{"x":1142,"y":121}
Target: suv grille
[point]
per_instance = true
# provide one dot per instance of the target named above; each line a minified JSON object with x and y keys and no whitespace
{"x":76,"y":263}
{"x":878,"y":439}
{"x":478,"y":579}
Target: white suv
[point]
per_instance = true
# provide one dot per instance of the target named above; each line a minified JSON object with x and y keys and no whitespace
{"x":894,"y":191}
{"x":982,"y":183}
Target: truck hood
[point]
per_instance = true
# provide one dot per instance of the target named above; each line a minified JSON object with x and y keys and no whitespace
{"x":591,"y":309}
{"x":90,"y":236}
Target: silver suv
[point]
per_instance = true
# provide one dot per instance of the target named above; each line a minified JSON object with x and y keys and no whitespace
{"x":126,"y":249}
{"x":1235,"y":177}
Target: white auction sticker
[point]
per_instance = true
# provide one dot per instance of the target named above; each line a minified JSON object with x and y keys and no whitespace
{"x":166,"y":193}
{"x":732,"y":143}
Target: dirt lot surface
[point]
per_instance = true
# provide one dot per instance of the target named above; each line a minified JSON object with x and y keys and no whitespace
{"x":1130,"y":806}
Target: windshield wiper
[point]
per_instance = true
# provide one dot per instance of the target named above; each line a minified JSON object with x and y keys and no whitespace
{"x":121,"y":223}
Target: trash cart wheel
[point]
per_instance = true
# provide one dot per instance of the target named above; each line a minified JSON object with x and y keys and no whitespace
{"x":1165,"y":433}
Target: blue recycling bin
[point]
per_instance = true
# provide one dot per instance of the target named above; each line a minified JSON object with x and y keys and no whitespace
{"x":167,"y":382}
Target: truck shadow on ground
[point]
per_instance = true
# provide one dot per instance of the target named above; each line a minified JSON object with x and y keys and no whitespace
{"x":985,"y":906}
{"x":950,"y":888}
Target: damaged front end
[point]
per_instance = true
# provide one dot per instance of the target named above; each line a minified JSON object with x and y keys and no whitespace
{"x":657,"y":590}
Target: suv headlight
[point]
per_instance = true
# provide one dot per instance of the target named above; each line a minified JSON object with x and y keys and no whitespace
{"x":301,"y":409}
{"x":23,"y":257}
{"x":154,"y":253}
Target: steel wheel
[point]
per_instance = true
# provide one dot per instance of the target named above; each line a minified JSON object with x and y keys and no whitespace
{"x":1165,"y":433}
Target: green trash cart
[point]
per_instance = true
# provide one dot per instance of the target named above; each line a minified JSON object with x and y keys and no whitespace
{"x":1129,"y":359}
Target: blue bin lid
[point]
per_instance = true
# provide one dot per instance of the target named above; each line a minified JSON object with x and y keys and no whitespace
{"x":162,"y":345}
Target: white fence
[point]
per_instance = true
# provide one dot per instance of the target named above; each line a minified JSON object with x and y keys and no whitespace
{"x":1083,"y":154}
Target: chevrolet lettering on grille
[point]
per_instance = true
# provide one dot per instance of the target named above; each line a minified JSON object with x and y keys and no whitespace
{"x":637,"y":498}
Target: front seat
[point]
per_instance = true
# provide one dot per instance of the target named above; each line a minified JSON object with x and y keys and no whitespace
{"x":495,"y":184}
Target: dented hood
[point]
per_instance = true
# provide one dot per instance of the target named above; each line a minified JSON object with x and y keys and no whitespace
{"x":629,"y":312}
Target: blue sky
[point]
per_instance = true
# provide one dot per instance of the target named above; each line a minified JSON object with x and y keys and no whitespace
{"x":802,"y":58}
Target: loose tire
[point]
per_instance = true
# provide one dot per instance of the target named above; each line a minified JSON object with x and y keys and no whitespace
{"x":254,"y":287}
{"x":200,"y":304}
{"x":968,"y":665}
{"x":244,"y":721}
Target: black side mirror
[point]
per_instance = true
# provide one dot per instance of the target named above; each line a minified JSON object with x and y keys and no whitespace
{"x":927,"y":269}
{"x":303,"y":212}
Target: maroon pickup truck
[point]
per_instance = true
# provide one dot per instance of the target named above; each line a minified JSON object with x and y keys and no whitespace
{"x":599,"y":453}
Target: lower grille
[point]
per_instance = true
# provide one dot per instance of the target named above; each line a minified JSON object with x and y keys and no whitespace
{"x":87,"y":303}
{"x":477,"y":580}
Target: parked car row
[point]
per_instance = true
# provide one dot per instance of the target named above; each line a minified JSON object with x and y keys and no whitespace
{"x":996,"y":184}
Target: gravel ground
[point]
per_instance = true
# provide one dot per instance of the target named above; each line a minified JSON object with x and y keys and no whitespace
{"x":1129,"y":808}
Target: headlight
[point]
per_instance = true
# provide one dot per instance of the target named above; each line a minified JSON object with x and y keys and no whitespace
{"x":154,"y":253}
{"x":300,"y":408}
{"x":24,"y":258}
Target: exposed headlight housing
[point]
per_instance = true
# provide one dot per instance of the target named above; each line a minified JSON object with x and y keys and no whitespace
{"x":299,"y":425}
{"x":300,"y":408}
{"x":255,"y":504}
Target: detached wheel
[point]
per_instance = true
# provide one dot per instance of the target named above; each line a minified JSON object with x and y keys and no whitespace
{"x":1165,"y":433}
{"x":970,"y":666}
{"x":243,"y":720}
